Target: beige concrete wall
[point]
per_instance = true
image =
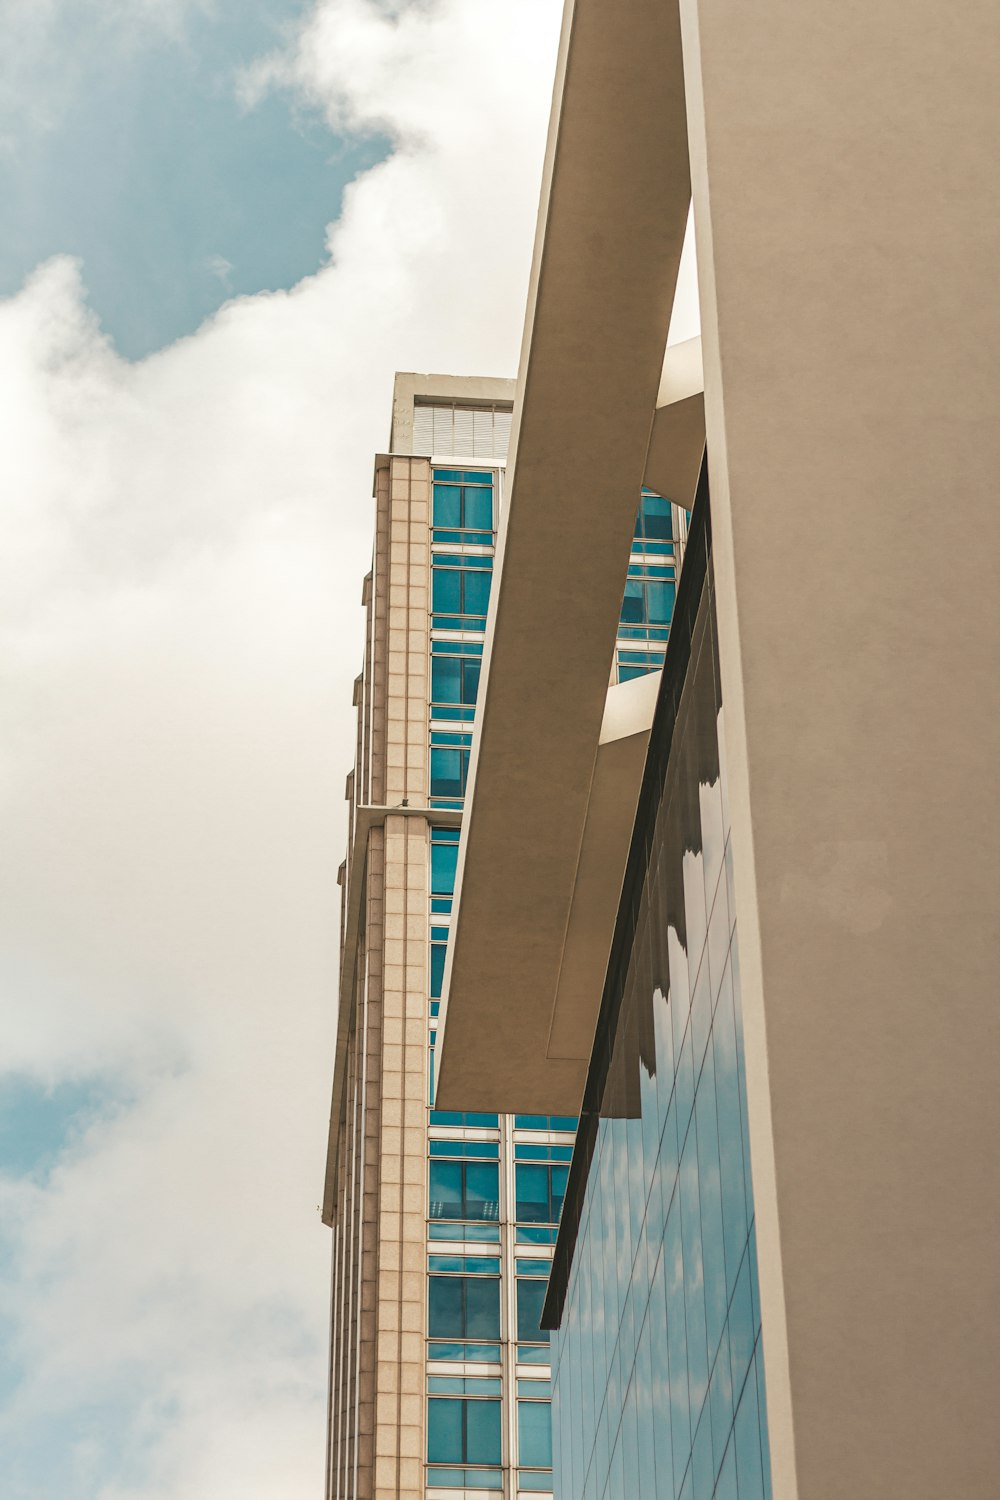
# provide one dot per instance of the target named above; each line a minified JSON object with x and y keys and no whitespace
{"x":408,"y":657}
{"x":466,"y":388}
{"x":400,"y":1312}
{"x":377,"y":1357}
{"x":845,"y":183}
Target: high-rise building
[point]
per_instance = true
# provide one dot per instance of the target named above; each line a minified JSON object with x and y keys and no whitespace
{"x":443,"y":1221}
{"x":740,"y":916}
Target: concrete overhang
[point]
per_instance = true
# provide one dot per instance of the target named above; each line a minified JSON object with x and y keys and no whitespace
{"x":599,"y":411}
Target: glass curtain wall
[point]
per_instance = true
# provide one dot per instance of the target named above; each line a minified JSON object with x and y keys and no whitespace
{"x":495,"y":1183}
{"x":658,"y":1376}
{"x":651,"y":586}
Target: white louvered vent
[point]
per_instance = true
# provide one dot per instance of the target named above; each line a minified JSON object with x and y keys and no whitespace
{"x":451,"y":430}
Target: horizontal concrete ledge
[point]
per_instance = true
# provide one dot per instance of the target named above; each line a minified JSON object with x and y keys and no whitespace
{"x":366,"y":818}
{"x":682,"y":375}
{"x":677,"y":437}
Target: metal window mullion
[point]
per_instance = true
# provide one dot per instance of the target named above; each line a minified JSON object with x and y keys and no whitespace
{"x":508,"y":1349}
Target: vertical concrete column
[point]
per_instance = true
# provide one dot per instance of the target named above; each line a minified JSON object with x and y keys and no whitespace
{"x":409,"y":561}
{"x":848,"y":224}
{"x":400,"y":1309}
{"x":399,"y":1437}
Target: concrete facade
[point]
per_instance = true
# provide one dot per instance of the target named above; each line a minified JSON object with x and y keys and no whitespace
{"x":374,"y":1196}
{"x":388,"y":1365}
{"x":848,"y":220}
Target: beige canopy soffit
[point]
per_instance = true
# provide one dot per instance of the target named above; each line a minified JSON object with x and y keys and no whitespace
{"x":549,"y":808}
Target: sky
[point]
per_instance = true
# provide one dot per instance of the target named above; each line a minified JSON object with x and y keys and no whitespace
{"x":225,"y":226}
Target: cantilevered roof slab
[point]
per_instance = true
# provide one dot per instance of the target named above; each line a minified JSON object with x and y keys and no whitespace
{"x":614,"y":207}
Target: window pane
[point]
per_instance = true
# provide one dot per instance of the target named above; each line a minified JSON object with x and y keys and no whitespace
{"x":471,"y":668}
{"x":477,"y":592}
{"x":482,"y":1307}
{"x":444,"y":862}
{"x":482,"y":1432}
{"x":560,"y":1177}
{"x":446,"y":591}
{"x":482,"y":1190}
{"x":446,"y":679}
{"x":532,"y":1190}
{"x":530,"y":1298}
{"x":437,"y":969}
{"x":534,"y":1434}
{"x":447,"y":505}
{"x":657,"y":518}
{"x":444,"y":1431}
{"x":633,"y":604}
{"x":660,"y":601}
{"x":479,"y":509}
{"x":445,"y":1190}
{"x":448,"y":773}
{"x":445,"y":1318}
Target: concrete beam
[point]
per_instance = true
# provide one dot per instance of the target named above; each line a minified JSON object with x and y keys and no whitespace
{"x":615,"y":200}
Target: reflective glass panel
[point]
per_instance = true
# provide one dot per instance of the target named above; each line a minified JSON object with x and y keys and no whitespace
{"x":659,"y":1301}
{"x":534,"y":1434}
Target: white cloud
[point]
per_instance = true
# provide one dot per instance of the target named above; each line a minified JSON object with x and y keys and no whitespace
{"x":181,"y":549}
{"x":48,"y":44}
{"x":222,"y":270}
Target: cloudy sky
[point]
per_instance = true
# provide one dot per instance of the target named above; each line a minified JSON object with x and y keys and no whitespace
{"x":226,"y":223}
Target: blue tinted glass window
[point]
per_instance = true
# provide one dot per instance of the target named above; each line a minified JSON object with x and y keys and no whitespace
{"x":454,"y":679}
{"x":634,"y":603}
{"x":656,"y":518}
{"x":530,"y":1300}
{"x":446,"y":679}
{"x":449,"y":773}
{"x":545,"y":1122}
{"x":477,"y":592}
{"x":471,"y":669}
{"x":444,"y":862}
{"x":447,"y":505}
{"x":532,"y":1194}
{"x":463,"y":1189}
{"x":445,"y":1310}
{"x":539,"y":1192}
{"x":463,"y":1307}
{"x":437,"y":968}
{"x":482,"y":1422}
{"x":534,"y":1434}
{"x":446,"y":1189}
{"x":558,"y":1177}
{"x":445,"y":1438}
{"x":482,"y":1189}
{"x":463,"y":1431}
{"x":463,"y":500}
{"x":460,"y":1117}
{"x":659,"y":602}
{"x":446,"y":591}
{"x":482,"y":1307}
{"x":478,"y":509}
